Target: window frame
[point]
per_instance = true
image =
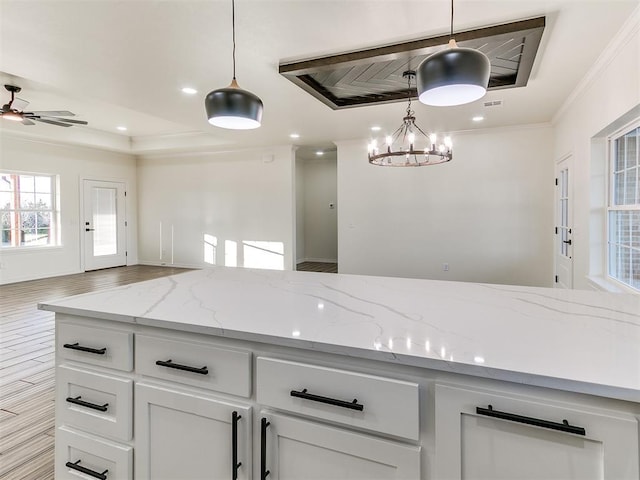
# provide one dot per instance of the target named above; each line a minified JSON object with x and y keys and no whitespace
{"x":611,"y":194}
{"x":53,"y":211}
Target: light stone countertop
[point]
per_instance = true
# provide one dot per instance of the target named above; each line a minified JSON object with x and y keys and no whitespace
{"x":573,"y":340}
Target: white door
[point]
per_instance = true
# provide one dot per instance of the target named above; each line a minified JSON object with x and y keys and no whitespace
{"x":104,"y":226}
{"x":293,"y":449}
{"x":184,"y":436}
{"x":563,"y":245}
{"x":482,"y":435}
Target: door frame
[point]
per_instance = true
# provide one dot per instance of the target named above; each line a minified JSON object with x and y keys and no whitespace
{"x":563,"y":161}
{"x":83,"y":240}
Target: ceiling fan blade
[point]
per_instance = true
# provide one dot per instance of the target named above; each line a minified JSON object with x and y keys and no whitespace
{"x":77,"y":122}
{"x":26,"y":121}
{"x":53,"y":113}
{"x":52,"y":122}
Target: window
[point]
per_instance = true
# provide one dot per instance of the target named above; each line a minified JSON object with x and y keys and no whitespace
{"x":624,"y":208}
{"x":28,"y":205}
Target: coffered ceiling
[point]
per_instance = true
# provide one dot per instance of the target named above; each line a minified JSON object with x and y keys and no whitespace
{"x":123,"y":63}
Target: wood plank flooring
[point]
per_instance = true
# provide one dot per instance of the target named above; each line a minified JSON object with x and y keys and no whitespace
{"x":27,"y":364}
{"x":317,"y":267}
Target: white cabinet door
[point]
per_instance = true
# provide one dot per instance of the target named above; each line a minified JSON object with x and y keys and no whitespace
{"x":184,"y":436}
{"x":298,"y":449}
{"x":491,"y":435}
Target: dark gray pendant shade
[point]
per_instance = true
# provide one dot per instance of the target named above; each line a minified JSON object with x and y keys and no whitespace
{"x":453,"y":77}
{"x":234,"y":108}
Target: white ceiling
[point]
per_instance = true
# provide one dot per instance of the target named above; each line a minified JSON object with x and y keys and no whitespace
{"x":124,"y":63}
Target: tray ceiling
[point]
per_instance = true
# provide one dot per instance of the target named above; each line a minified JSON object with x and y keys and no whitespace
{"x":374,"y":75}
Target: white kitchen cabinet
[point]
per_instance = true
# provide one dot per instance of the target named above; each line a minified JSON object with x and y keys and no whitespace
{"x":374,"y":403}
{"x":182,"y":435}
{"x":80,"y":455}
{"x":295,"y":449}
{"x":495,"y":435}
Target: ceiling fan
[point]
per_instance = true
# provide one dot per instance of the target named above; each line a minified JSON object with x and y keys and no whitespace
{"x":14,"y":110}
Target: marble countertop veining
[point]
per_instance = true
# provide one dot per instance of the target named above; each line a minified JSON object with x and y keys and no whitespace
{"x":574,"y":340}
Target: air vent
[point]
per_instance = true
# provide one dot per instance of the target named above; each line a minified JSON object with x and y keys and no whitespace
{"x":495,"y":103}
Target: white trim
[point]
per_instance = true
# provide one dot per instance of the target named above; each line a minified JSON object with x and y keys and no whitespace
{"x":608,"y":284}
{"x":622,"y":37}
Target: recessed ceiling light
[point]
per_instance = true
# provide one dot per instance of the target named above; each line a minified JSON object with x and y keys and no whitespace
{"x":376,"y":128}
{"x":319,"y":153}
{"x":294,"y":135}
{"x":122,"y":128}
{"x":478,"y":118}
{"x":189,"y":91}
{"x":478,"y":359}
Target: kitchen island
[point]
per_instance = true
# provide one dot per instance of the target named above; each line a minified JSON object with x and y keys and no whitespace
{"x":346,"y":376}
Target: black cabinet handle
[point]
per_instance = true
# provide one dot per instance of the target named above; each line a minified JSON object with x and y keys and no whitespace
{"x":75,"y":346}
{"x":353,"y":405}
{"x":82,"y":403}
{"x":234,"y":445}
{"x":563,"y":427}
{"x":87,"y":471}
{"x":186,"y":368}
{"x":567,"y":241}
{"x":263,"y":449}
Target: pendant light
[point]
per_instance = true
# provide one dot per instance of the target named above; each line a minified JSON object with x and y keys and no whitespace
{"x":232,"y":107}
{"x":453,"y":76}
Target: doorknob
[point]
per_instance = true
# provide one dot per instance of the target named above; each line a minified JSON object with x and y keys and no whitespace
{"x":89,"y":229}
{"x":567,"y":241}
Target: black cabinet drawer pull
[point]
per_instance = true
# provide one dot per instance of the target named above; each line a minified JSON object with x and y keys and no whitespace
{"x":186,"y":368}
{"x":353,"y":405}
{"x":563,"y":427}
{"x":263,"y":449}
{"x":87,"y":471}
{"x":75,"y":346}
{"x":82,"y":403}
{"x":234,"y":445}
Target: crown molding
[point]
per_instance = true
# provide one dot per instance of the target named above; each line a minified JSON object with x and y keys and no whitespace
{"x":623,"y":37}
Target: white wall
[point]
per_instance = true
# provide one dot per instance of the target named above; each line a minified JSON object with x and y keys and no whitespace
{"x":71,"y":163}
{"x":608,"y":93}
{"x":300,"y":186}
{"x":488,"y":213}
{"x":320,"y":221}
{"x":216,"y":198}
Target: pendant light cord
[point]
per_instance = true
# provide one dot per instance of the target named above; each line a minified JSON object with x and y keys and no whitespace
{"x":451,"y":34}
{"x":233,"y":29}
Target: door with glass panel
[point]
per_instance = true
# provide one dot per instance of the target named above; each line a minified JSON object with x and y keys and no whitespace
{"x":103,"y":226}
{"x":563,"y":234}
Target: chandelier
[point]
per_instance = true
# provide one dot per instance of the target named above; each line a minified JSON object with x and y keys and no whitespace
{"x":409,"y":145}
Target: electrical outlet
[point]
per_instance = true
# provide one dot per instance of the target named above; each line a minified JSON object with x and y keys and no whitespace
{"x":445,"y":267}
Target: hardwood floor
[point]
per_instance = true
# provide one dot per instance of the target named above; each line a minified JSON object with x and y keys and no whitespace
{"x":317,"y":267}
{"x":27,"y":364}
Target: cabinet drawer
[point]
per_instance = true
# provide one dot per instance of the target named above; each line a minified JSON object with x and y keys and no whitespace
{"x":365,"y":401}
{"x":94,"y":402}
{"x":95,"y":345}
{"x":198,"y":364}
{"x":84,"y":451}
{"x":501,"y":435}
